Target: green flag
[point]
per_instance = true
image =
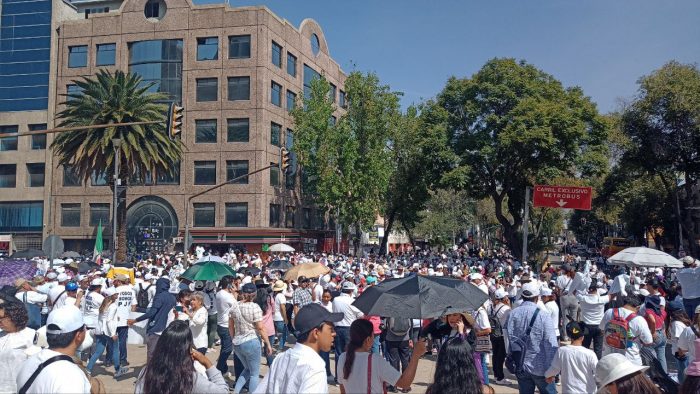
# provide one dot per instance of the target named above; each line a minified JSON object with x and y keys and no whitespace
{"x":97,"y":253}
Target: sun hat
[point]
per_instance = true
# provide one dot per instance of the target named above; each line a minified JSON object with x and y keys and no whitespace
{"x":96,"y":282}
{"x":531,"y":289}
{"x":62,"y":277}
{"x":475,"y":276}
{"x":279,"y":286}
{"x":614,"y":367}
{"x":64,"y":320}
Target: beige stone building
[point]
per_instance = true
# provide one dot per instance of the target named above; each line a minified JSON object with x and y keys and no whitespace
{"x":237,"y":72}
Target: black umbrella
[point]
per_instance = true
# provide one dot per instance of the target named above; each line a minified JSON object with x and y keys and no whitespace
{"x":70,"y":254}
{"x":279,"y":265}
{"x":86,"y":266}
{"x":28,"y":254}
{"x":254,"y":271}
{"x":420,"y":297}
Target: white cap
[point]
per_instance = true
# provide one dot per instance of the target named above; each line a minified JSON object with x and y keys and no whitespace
{"x":475,"y":276}
{"x":500,"y":294}
{"x":531,"y":289}
{"x":62,"y":277}
{"x":644,"y":292}
{"x":614,"y":367}
{"x":349,"y":286}
{"x":148,"y":276}
{"x":431,"y":271}
{"x":545,"y":292}
{"x":110,"y":291}
{"x":96,"y":282}
{"x":67,"y":319}
{"x":51,"y":275}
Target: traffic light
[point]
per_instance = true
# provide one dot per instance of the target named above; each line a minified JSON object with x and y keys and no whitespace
{"x":284,"y":159}
{"x":174,"y":121}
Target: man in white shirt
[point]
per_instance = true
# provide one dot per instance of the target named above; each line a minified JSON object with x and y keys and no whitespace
{"x":301,"y":369}
{"x":552,"y":308}
{"x":32,"y":300}
{"x":567,"y":301}
{"x":126,"y":303}
{"x":641,"y":336}
{"x":343,"y":304}
{"x":576,"y":364}
{"x":500,"y":310}
{"x":592,"y":310}
{"x":223,"y":303}
{"x":91,"y":303}
{"x":689,"y":278}
{"x":57,"y":294}
{"x":65,"y":332}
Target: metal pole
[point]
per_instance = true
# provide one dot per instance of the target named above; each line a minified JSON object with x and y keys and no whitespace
{"x":187,"y":227}
{"x":116,"y":142}
{"x":526,"y":218}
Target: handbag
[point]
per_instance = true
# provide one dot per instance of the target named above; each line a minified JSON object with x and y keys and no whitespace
{"x":483,"y":344}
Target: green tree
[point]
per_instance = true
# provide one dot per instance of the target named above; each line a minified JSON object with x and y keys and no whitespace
{"x":513,"y":126}
{"x":446,"y":214}
{"x":145,"y":149}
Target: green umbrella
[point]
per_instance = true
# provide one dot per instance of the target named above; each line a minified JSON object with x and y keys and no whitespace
{"x":210,"y":270}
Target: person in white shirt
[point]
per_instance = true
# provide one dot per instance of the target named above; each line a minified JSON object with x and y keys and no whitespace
{"x":32,"y":300}
{"x":198,"y":321}
{"x":91,"y":304}
{"x":343,"y":304}
{"x":638,"y":327}
{"x":567,"y":301}
{"x":279,"y":313}
{"x":592,"y":309}
{"x":106,"y":332}
{"x":678,"y":323}
{"x":689,"y":278}
{"x":224,"y":301}
{"x":57,"y":294}
{"x":575,"y":363}
{"x":482,"y":328}
{"x":300,"y":369}
{"x":126,"y":303}
{"x":65,"y":332}
{"x":552,"y":308}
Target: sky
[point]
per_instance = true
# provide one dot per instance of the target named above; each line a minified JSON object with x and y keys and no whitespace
{"x":603,"y":46}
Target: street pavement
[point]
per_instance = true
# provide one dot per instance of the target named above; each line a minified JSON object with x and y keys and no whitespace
{"x":137,"y":359}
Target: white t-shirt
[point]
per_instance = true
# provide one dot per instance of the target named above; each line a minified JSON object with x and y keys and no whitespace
{"x":33,"y":297}
{"x":640,"y":331}
{"x":198,"y":326}
{"x":686,"y":342}
{"x":577,"y":367}
{"x":223,"y":302}
{"x":318,"y":292}
{"x":382,"y":372}
{"x":126,"y":298}
{"x":280,"y":299}
{"x":553,"y":310}
{"x":17,"y":340}
{"x":592,"y":307}
{"x":482,"y":319}
{"x":58,"y":377}
{"x":91,"y":308}
{"x":57,"y":296}
{"x":675,"y":331}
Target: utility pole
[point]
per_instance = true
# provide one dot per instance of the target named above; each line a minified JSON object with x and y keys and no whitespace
{"x":526,"y":218}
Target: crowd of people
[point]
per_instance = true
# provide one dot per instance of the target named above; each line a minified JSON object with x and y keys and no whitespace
{"x":574,"y":328}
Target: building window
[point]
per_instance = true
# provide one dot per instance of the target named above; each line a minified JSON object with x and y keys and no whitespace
{"x":70,"y":215}
{"x":8,"y":176}
{"x":238,"y":88}
{"x":38,"y":140}
{"x":341,"y":100}
{"x":204,"y":214}
{"x":207,"y":89}
{"x":309,"y":75}
{"x":73,"y":92}
{"x":276,"y":54}
{"x":291,"y":100}
{"x":207,"y":48}
{"x":236,"y":168}
{"x":315,"y":44}
{"x":205,"y":131}
{"x":77,"y":56}
{"x":99,"y":213}
{"x":289,"y":216}
{"x":331,"y":92}
{"x":35,"y":174}
{"x":320,"y":219}
{"x":9,"y":143}
{"x":238,"y":130}
{"x":165,"y":178}
{"x":106,"y":54}
{"x":159,"y":62}
{"x":204,"y":172}
{"x":307,"y":218}
{"x":21,"y":216}
{"x":70,"y":176}
{"x":275,"y":134}
{"x":239,"y":47}
{"x":274,"y":215}
{"x":274,"y":175}
{"x":291,"y":65}
{"x":290,"y":177}
{"x":276,"y":94}
{"x":154,"y":9}
{"x":97,"y":10}
{"x":237,"y":214}
{"x":98,"y":178}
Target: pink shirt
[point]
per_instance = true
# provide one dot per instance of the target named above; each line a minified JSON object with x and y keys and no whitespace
{"x":376,"y":322}
{"x":267,"y":322}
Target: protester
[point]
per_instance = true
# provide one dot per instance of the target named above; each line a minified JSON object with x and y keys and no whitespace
{"x":106,"y":332}
{"x":575,"y":362}
{"x":174,"y":372}
{"x":500,"y":310}
{"x":568,"y":302}
{"x":125,"y":305}
{"x":455,"y":371}
{"x":625,"y":328}
{"x":691,"y":383}
{"x":157,"y":315}
{"x":689,"y":278}
{"x":302,"y":295}
{"x":32,"y":300}
{"x":279,"y":316}
{"x":482,"y":330}
{"x":343,"y":304}
{"x":225,"y":300}
{"x":198,"y":318}
{"x":592,"y":310}
{"x":655,"y":316}
{"x":619,"y":375}
{"x":678,"y":322}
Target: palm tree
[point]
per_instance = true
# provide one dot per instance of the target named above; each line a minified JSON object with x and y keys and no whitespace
{"x":145,"y":149}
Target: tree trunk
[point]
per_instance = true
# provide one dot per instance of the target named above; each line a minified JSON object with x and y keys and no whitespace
{"x":510,"y":230}
{"x":357,"y":240}
{"x":387,"y":230}
{"x":121,"y":255}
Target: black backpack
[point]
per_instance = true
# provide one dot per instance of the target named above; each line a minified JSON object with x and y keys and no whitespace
{"x":142,"y":297}
{"x":496,"y":327}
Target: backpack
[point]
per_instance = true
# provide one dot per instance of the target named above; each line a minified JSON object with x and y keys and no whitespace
{"x":515,"y":359}
{"x":496,"y":328}
{"x":617,"y":331}
{"x":142,"y":297}
{"x":400,"y":326}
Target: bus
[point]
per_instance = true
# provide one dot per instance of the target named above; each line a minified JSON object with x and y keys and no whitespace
{"x":612,"y":245}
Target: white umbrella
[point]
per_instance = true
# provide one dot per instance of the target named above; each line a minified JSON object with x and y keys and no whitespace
{"x":206,"y":258}
{"x":58,"y":262}
{"x":644,"y":257}
{"x":281,"y":248}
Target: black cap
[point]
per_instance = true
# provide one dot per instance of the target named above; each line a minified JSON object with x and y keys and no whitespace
{"x":574,"y":330}
{"x":303,"y":279}
{"x":249,"y":288}
{"x":313,"y":315}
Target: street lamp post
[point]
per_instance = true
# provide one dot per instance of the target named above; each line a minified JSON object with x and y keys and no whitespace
{"x":116,"y":143}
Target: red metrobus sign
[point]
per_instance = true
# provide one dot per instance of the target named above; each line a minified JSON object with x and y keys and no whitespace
{"x":572,"y":197}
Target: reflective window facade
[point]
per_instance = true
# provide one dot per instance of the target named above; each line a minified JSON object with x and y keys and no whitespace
{"x":276,"y":54}
{"x":106,"y":54}
{"x":205,"y":131}
{"x":238,"y":129}
{"x":237,"y":214}
{"x":25,"y":42}
{"x":21,"y":216}
{"x":235,"y":169}
{"x":77,"y":56}
{"x":309,"y":75}
{"x":159,"y":61}
{"x":207,"y":48}
{"x":204,"y":214}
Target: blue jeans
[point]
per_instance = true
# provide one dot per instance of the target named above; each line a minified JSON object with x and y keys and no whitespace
{"x":249,"y":353}
{"x":375,"y":345}
{"x":660,"y":349}
{"x":123,"y":333}
{"x":527,"y":383}
{"x":100,"y":345}
{"x":326,"y":356}
{"x":272,"y":357}
{"x":342,"y":338}
{"x":226,"y":348}
{"x":484,"y":368}
{"x":281,"y":331}
{"x":682,"y":365}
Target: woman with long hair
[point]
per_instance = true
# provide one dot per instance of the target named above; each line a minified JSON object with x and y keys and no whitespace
{"x":266,"y":303}
{"x":172,"y":370}
{"x":360,"y":371}
{"x":677,"y":321}
{"x":462,"y":325}
{"x":455,"y":370}
{"x":106,"y":332}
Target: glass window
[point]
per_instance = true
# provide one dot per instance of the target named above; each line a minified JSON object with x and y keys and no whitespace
{"x":9,"y":143}
{"x":8,"y":176}
{"x":35,"y":174}
{"x":98,"y":178}
{"x":275,"y":134}
{"x":70,"y":177}
{"x":204,"y":172}
{"x":38,"y":140}
{"x":291,"y":100}
{"x":274,"y":215}
{"x":153,"y":9}
{"x":207,"y":89}
{"x":290,"y":176}
{"x":239,"y":47}
{"x":141,"y":180}
{"x":307,"y":218}
{"x":160,"y":62}
{"x":315,"y":44}
{"x":291,"y":65}
{"x":73,"y":91}
{"x":70,"y":215}
{"x":276,"y":54}
{"x":289,"y":216}
{"x":237,"y":214}
{"x":204,"y":214}
{"x":238,"y":130}
{"x":309,"y":75}
{"x":331,"y":92}
{"x":99,"y":213}
{"x":77,"y":56}
{"x":170,"y":179}
{"x":106,"y":54}
{"x":205,"y":131}
{"x":238,"y":88}
{"x":21,"y":216}
{"x":207,"y":48}
{"x":341,"y":100}
{"x":274,"y":175}
{"x":236,"y":168}
{"x":276,"y":94}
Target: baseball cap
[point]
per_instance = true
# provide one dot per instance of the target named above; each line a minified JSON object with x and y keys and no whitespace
{"x":500,"y":294}
{"x":249,"y":288}
{"x":546,"y":292}
{"x":349,"y":286}
{"x":531,"y":289}
{"x":574,"y":330}
{"x":148,"y":277}
{"x":64,"y":320}
{"x":614,"y":367}
{"x":110,"y":291}
{"x":96,"y":282}
{"x":51,"y":275}
{"x":475,"y":276}
{"x":62,"y":277}
{"x":313,"y":315}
